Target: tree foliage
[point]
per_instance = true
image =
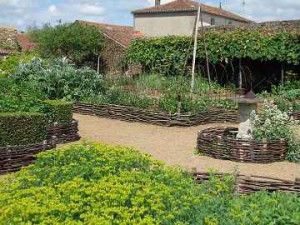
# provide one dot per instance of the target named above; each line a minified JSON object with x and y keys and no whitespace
{"x":75,"y":41}
{"x":169,"y":54}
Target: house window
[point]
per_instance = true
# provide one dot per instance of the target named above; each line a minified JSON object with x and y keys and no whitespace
{"x":230,"y":22}
{"x":212,"y":21}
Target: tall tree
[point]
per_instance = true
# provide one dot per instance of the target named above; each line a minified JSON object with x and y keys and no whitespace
{"x":75,"y":41}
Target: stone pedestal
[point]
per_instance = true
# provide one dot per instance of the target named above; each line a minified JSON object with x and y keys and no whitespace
{"x":245,"y":110}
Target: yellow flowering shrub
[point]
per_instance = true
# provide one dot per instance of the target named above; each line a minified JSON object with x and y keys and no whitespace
{"x":99,"y":184}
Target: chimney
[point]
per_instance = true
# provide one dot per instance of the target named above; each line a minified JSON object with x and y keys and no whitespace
{"x":220,"y":5}
{"x":157,"y":2}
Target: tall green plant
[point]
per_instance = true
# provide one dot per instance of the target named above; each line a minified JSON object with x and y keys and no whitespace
{"x":76,"y":41}
{"x":168,"y":55}
{"x":59,"y":79}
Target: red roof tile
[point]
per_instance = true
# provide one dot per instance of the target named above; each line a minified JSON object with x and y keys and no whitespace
{"x":188,"y":5}
{"x":25,"y":43}
{"x":123,"y":35}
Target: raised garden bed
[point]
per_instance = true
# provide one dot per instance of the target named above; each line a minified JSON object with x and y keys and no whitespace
{"x":132,"y":114}
{"x":13,"y":158}
{"x":63,"y":133}
{"x":249,"y":184}
{"x":220,"y":143}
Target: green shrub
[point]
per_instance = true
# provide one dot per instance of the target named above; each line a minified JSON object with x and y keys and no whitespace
{"x":75,"y":41}
{"x":22,"y":128}
{"x":273,"y":124}
{"x":60,"y":80}
{"x":19,"y":97}
{"x":100,"y":184}
{"x":168,"y":55}
{"x":59,"y":111}
{"x":9,"y":63}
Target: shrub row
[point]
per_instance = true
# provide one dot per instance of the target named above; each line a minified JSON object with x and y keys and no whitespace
{"x":100,"y":184}
{"x":22,"y":128}
{"x":169,"y":54}
{"x":59,"y":111}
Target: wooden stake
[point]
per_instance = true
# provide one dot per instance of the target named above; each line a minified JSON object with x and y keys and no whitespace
{"x":195,"y":50}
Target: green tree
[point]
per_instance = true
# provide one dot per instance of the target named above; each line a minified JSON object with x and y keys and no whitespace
{"x":77,"y":42}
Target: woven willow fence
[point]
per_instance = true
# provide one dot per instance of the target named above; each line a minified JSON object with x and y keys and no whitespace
{"x":249,"y":184}
{"x":63,"y":133}
{"x":132,"y":114}
{"x":221,"y":143}
{"x":296,"y":115}
{"x":13,"y":158}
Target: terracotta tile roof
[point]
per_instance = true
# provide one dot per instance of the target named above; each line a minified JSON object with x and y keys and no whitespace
{"x":123,"y":35}
{"x":25,"y":43}
{"x":188,"y":5}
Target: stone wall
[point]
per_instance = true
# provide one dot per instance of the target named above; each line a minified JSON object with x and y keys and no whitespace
{"x":113,"y":60}
{"x":8,"y":38}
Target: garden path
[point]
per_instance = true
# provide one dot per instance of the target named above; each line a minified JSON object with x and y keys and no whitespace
{"x":173,"y":145}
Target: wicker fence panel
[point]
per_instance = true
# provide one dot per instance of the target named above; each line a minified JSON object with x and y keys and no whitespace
{"x":250,"y":184}
{"x":221,"y":144}
{"x":296,"y":115}
{"x":63,"y":133}
{"x":132,"y":114}
{"x":13,"y":158}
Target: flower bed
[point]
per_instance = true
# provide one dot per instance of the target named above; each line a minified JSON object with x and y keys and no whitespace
{"x":249,"y":184}
{"x":132,"y":114}
{"x":221,"y":143}
{"x":63,"y":133}
{"x":13,"y":158}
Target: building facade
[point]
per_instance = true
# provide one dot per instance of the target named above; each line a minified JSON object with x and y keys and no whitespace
{"x":178,"y":18}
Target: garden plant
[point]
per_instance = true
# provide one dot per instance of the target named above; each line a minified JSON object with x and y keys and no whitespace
{"x":93,"y":183}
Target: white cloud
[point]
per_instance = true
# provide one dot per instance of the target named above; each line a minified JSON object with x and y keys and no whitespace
{"x":52,"y":9}
{"x":87,"y":9}
{"x":22,"y":13}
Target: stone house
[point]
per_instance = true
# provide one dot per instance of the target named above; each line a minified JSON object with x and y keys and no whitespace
{"x":178,"y":18}
{"x":8,"y":41}
{"x":12,"y":42}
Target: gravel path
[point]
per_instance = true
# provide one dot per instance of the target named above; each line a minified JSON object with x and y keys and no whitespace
{"x":173,"y":145}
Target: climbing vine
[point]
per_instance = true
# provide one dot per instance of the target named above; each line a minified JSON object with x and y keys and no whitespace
{"x":169,"y":54}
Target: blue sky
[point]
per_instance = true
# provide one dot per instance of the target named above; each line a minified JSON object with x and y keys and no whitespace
{"x":24,"y":13}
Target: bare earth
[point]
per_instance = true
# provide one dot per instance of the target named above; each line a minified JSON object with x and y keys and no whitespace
{"x":173,"y":145}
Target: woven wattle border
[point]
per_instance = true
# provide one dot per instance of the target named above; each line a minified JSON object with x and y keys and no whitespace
{"x":249,"y":184}
{"x":132,"y":114}
{"x":63,"y":133}
{"x":220,"y":143}
{"x":13,"y":158}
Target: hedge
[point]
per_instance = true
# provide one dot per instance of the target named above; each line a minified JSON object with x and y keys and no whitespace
{"x":59,"y":111}
{"x":22,"y":128}
{"x":169,"y":54}
{"x":100,"y":184}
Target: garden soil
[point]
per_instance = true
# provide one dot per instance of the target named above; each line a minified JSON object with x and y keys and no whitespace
{"x":174,"y":146}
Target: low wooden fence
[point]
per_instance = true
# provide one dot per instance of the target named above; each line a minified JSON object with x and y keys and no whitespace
{"x":296,"y":115}
{"x":250,"y":184}
{"x":219,"y":143}
{"x":13,"y":158}
{"x":132,"y":114}
{"x":63,"y":133}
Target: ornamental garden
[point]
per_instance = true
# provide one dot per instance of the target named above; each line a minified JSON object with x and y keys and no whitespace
{"x":94,"y":183}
